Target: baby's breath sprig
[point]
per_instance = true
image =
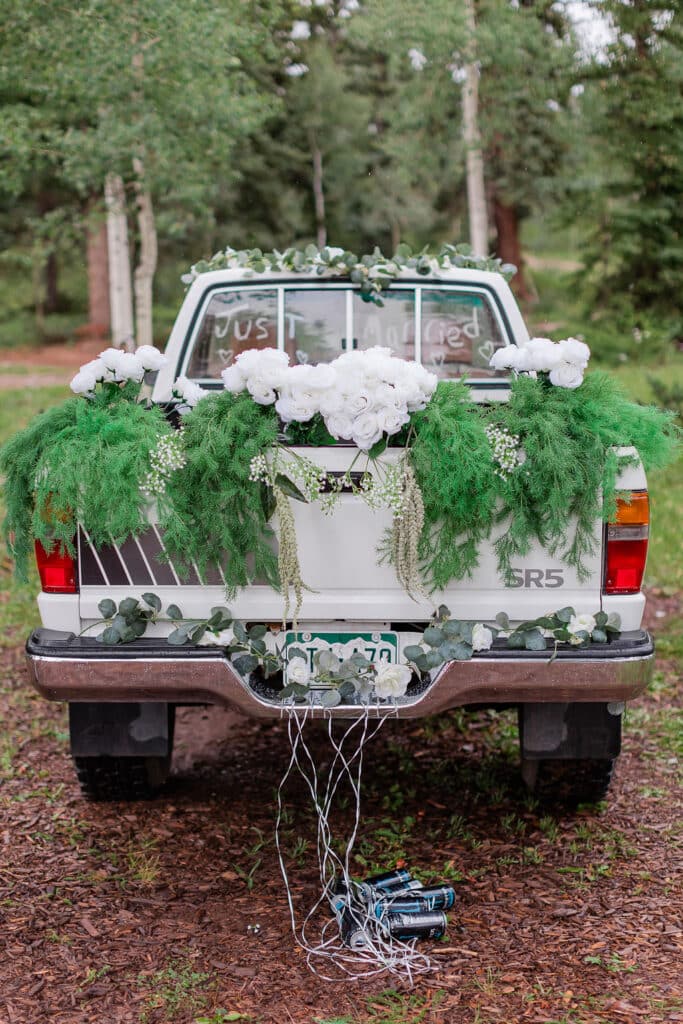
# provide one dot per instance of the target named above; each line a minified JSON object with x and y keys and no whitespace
{"x":505,"y":450}
{"x":165,"y":459}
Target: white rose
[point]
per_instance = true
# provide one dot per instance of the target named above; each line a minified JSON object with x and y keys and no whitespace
{"x":260,"y":360}
{"x":150,"y":357}
{"x":392,"y":680}
{"x":340,"y":426}
{"x":358,"y":401}
{"x":222,"y":639}
{"x":332,"y":402}
{"x":581,"y":623}
{"x":321,"y":378}
{"x":482,"y":638}
{"x":391,"y":420}
{"x":298,"y":671}
{"x":188,"y":391}
{"x":260,"y":389}
{"x":301,"y":408}
{"x":511,"y":357}
{"x":542,"y":354}
{"x":575,"y":351}
{"x":566,"y":375}
{"x":130,"y":367}
{"x":96,"y":367}
{"x":233,"y":379}
{"x":111,"y":360}
{"x":84,"y":382}
{"x":367,"y":430}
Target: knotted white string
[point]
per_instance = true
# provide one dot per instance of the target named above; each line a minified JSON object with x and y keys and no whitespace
{"x":380,"y":952}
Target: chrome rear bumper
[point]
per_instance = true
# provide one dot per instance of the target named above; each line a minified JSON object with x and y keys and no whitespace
{"x":70,"y":668}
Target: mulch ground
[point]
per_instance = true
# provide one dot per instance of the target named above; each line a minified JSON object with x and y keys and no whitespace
{"x":144,"y":913}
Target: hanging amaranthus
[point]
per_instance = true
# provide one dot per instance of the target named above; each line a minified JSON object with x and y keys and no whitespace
{"x":406,"y":533}
{"x":288,"y":555}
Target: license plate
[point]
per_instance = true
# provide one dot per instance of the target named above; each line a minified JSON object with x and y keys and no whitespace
{"x":375,"y":646}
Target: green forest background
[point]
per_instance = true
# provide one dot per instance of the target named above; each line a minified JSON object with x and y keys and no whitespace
{"x":274,"y":122}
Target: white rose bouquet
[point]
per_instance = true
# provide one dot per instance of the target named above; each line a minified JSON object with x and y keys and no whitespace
{"x":564,"y":361}
{"x":362,"y":396}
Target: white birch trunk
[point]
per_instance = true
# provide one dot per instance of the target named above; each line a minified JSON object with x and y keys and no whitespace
{"x":120,"y":293}
{"x":476,"y":193}
{"x":147,"y":262}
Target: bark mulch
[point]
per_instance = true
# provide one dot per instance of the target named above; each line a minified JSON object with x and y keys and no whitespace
{"x":144,"y":913}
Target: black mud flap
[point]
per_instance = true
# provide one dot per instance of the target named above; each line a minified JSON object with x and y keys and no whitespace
{"x":119,"y":730}
{"x":570,"y":731}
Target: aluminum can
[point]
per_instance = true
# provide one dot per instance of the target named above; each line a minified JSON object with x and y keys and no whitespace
{"x":436,"y":897}
{"x":389,"y":879}
{"x":368,"y":891}
{"x":352,"y":932}
{"x":415,"y":926}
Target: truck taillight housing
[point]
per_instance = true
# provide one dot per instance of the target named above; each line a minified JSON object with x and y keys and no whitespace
{"x":57,"y":570}
{"x":626,"y":538}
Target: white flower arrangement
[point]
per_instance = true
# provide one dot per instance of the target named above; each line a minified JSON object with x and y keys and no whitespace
{"x":362,"y":396}
{"x":116,"y":366}
{"x":564,"y":361}
{"x":187,"y":393}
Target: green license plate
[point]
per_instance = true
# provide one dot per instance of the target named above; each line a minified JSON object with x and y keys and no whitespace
{"x":375,"y":646}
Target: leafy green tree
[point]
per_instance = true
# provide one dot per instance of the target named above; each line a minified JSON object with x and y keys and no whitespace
{"x":159,"y":93}
{"x":635,"y":255}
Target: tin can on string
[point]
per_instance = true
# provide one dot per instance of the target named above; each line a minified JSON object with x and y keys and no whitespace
{"x":415,"y":926}
{"x":435,"y":897}
{"x":369,"y":892}
{"x":388,"y":879}
{"x":353,"y":934}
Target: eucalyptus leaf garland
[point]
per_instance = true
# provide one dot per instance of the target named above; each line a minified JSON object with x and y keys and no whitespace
{"x":373,"y":273}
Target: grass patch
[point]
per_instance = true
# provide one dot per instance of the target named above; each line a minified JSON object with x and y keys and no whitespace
{"x":177,"y":989}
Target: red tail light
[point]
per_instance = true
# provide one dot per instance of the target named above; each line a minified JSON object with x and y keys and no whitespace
{"x":57,"y":571}
{"x":626,"y":544}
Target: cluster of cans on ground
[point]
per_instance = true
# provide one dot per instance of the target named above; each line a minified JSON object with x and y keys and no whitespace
{"x":400,"y":905}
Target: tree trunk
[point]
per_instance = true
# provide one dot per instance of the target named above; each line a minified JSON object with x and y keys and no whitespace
{"x":147,"y":263}
{"x":509,"y":247}
{"x":98,"y":278}
{"x":51,"y":284}
{"x":318,"y":192}
{"x":476,"y":193}
{"x":120,"y":295}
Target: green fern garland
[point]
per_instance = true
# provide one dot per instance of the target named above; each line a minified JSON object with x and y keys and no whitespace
{"x":85,"y":461}
{"x":453,"y":465}
{"x":81,"y":461}
{"x":568,"y":437}
{"x":213,"y":512}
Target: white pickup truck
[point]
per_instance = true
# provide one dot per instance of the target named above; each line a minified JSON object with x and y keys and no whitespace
{"x":122,"y":698}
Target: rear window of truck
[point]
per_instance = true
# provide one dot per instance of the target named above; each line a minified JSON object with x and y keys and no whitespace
{"x":451,"y":330}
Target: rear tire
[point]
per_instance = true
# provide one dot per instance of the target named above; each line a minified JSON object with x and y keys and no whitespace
{"x":125,"y":778}
{"x":569,"y":782}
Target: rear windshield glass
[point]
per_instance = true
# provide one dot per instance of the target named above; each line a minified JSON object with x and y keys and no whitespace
{"x":452,"y":331}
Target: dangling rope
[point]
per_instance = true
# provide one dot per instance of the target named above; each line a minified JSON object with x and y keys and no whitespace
{"x":368,"y":949}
